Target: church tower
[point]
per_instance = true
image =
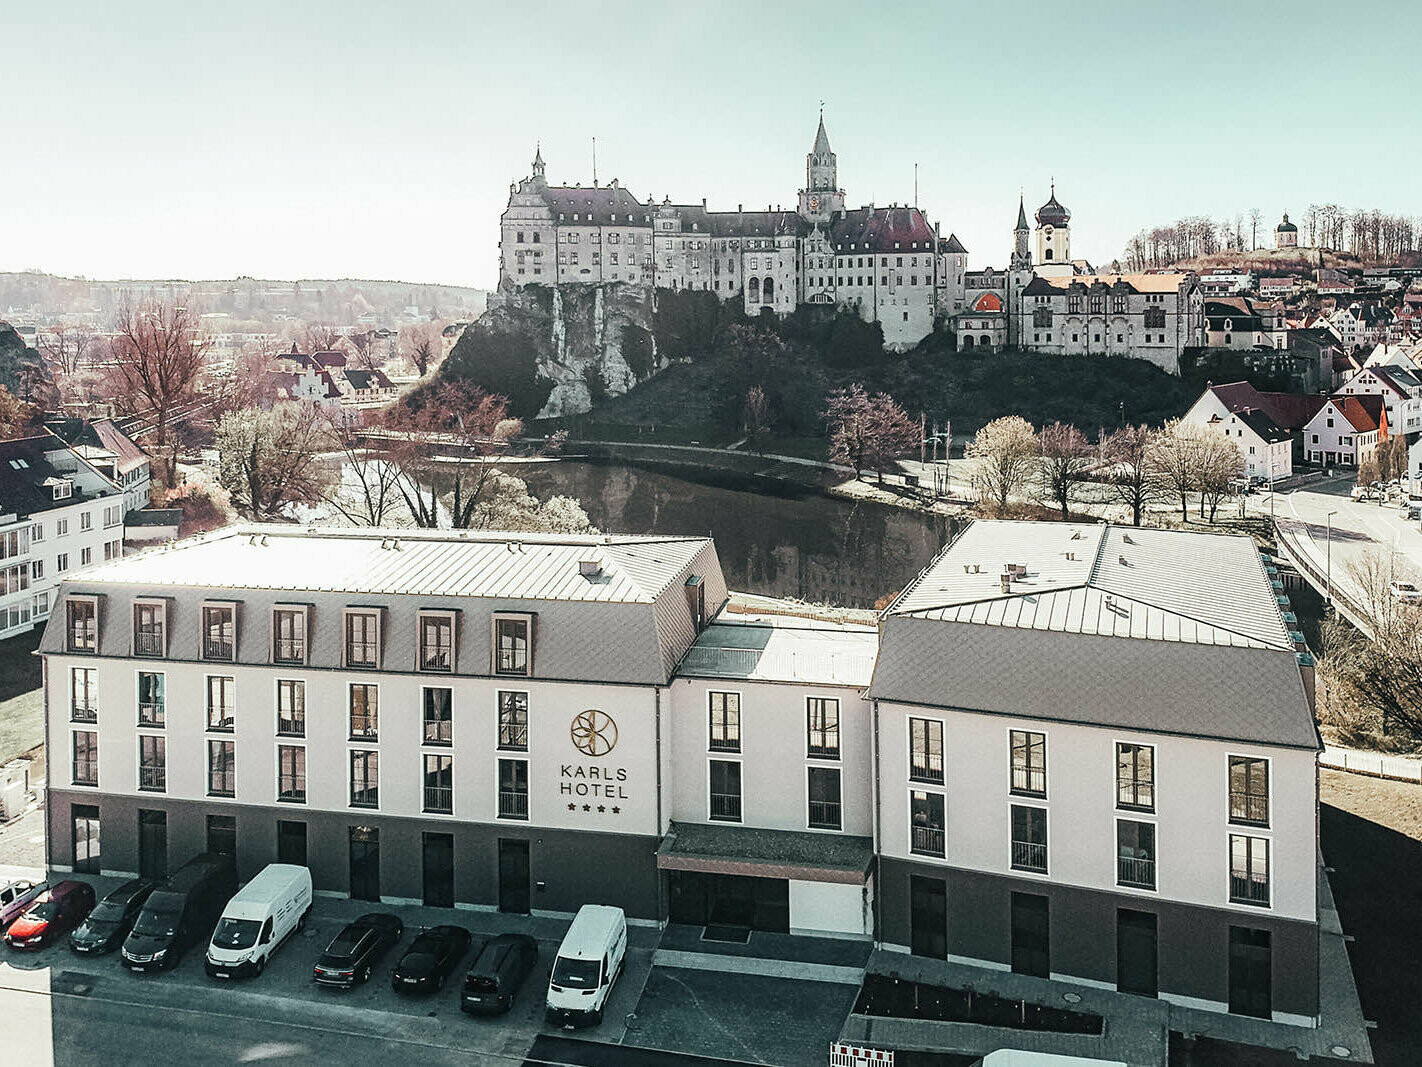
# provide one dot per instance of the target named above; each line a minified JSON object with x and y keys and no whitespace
{"x":1021,"y":249}
{"x":822,"y":197}
{"x":538,"y":167}
{"x":1054,"y":238}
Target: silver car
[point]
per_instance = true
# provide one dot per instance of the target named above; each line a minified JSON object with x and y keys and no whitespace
{"x":15,"y":897}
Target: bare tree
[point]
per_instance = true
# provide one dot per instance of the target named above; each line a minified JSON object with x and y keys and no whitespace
{"x":757,"y":418}
{"x":1129,"y":477}
{"x":422,"y":344}
{"x":1219,"y":467}
{"x":273,"y":459}
{"x":67,"y":346}
{"x":1172,"y":459}
{"x":867,"y":432}
{"x":369,"y":493}
{"x":1006,"y":453}
{"x":1254,"y":216}
{"x":366,"y":348}
{"x":321,"y":337}
{"x":159,"y":355}
{"x":1064,"y":459}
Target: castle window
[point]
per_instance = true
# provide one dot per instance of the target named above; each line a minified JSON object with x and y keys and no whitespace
{"x":754,"y":290}
{"x":1049,"y":254}
{"x":535,"y":238}
{"x":520,"y":237}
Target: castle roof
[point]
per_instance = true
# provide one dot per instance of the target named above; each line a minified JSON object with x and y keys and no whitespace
{"x":1052,"y":213}
{"x":822,"y":145}
{"x":1021,"y":214}
{"x":884,"y":229}
{"x":596,"y":204}
{"x":951,"y":244}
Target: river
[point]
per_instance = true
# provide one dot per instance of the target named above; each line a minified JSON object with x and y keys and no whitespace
{"x":773,"y":538}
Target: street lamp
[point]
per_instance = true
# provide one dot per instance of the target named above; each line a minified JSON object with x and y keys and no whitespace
{"x":1330,"y":557}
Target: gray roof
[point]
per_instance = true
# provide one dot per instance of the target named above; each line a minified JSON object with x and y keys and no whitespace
{"x":1162,"y":630}
{"x":790,"y":650}
{"x":754,"y":845}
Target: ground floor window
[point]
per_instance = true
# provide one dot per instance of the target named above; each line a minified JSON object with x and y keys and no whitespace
{"x":1031,"y":928}
{"x":152,"y":844}
{"x":291,"y":842}
{"x":1250,"y":972}
{"x":222,"y":835}
{"x":365,"y":863}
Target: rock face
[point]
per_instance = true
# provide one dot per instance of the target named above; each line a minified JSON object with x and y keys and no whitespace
{"x":23,"y":372}
{"x":576,"y":344}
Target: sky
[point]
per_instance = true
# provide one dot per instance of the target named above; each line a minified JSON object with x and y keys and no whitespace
{"x":356,"y":139}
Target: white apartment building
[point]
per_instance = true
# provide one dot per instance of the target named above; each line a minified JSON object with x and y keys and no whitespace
{"x":1266,"y":449}
{"x":1074,"y":750}
{"x":1400,"y":389}
{"x":1345,"y":431}
{"x":58,"y":514}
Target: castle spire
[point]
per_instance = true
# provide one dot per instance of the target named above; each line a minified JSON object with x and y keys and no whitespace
{"x":1021,"y":212}
{"x":538,"y":166}
{"x":822,"y":145}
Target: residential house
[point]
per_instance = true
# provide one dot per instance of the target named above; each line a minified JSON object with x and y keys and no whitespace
{"x":1240,"y":323}
{"x":112,"y":452}
{"x":1224,"y":281}
{"x":1278,"y":288}
{"x":1266,"y":448}
{"x":1346,"y":431}
{"x":1400,"y":389}
{"x":367,"y":387}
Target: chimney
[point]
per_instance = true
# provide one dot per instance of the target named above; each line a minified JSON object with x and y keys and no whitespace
{"x":590,"y":569}
{"x":1006,"y":580}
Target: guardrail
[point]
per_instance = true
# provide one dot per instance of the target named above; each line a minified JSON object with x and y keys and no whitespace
{"x":1375,"y":764}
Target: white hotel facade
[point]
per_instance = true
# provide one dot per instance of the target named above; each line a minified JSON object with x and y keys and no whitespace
{"x":1100,"y":768}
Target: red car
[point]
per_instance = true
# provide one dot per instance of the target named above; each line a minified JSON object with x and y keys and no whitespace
{"x":54,"y":913}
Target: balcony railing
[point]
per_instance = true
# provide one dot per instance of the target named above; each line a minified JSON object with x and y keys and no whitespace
{"x":292,"y":791}
{"x":1250,"y":808}
{"x":360,"y":654}
{"x":926,"y":768}
{"x":824,"y":814}
{"x":148,"y":643}
{"x":1135,"y":872}
{"x":153,"y":778}
{"x":220,"y":786}
{"x":291,"y":725}
{"x":289,"y":650}
{"x":439,"y":799}
{"x":84,"y":713}
{"x":1246,"y":890}
{"x":365,"y":797}
{"x":86,"y":772}
{"x":512,"y":661}
{"x":364,"y":728}
{"x":437,"y":731}
{"x":1030,"y":780}
{"x":221,"y":719}
{"x":218,"y":648}
{"x":726,"y":806}
{"x":434,"y":659}
{"x":150,"y":714}
{"x":1029,"y":856}
{"x":824,"y":744}
{"x":927,"y":840}
{"x":513,"y":804}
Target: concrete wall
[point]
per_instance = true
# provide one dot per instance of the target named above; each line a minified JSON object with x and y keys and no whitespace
{"x":830,"y":908}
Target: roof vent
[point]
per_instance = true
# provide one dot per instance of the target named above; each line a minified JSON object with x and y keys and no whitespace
{"x":1006,"y":580}
{"x":1076,"y":535}
{"x":1071,"y":555}
{"x":1127,"y":539}
{"x":977,"y":568}
{"x":1124,"y":562}
{"x":589,"y":568}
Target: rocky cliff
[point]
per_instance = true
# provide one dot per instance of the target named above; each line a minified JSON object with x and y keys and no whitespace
{"x":558,"y":350}
{"x":23,"y":372}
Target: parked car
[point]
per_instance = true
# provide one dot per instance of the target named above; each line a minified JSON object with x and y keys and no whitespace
{"x":589,"y":961}
{"x":53,"y":914}
{"x":353,"y":952}
{"x":497,"y":973}
{"x":180,"y":913}
{"x":259,"y":920}
{"x":430,"y":959}
{"x":1407,"y":592}
{"x":15,"y":897}
{"x":111,"y":920}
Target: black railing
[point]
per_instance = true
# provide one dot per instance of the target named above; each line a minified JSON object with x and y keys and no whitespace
{"x":513,"y":661}
{"x":726,"y":806}
{"x":360,"y":654}
{"x":927,"y":840}
{"x":1250,"y":808}
{"x":289,"y":650}
{"x":440,"y":799}
{"x":221,"y":719}
{"x":84,"y":712}
{"x":150,"y":714}
{"x":1246,"y":890}
{"x":365,"y":796}
{"x":437,"y":731}
{"x":153,"y":778}
{"x":1029,"y":856}
{"x":148,"y":643}
{"x":218,"y":648}
{"x":292,"y":790}
{"x":824,"y":814}
{"x":435,"y":659}
{"x":725,"y":744}
{"x":291,"y":725}
{"x":824,"y":743}
{"x":364,"y":728}
{"x":1135,"y":872}
{"x":1030,"y":780}
{"x":513,"y":804}
{"x":926,"y":768}
{"x":86,"y":772}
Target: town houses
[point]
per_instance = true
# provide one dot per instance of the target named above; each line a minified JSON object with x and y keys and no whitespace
{"x":533,"y":722}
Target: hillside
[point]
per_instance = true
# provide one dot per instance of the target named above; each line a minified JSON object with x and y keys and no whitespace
{"x":23,"y":372}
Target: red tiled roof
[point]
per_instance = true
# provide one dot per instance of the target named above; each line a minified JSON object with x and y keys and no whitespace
{"x":1292,"y":411}
{"x":1364,"y":413}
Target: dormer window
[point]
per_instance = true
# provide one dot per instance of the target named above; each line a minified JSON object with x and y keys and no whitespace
{"x":362,"y":638}
{"x":436,"y":640}
{"x":513,"y":644}
{"x":62,"y":488}
{"x":82,"y":624}
{"x":219,"y":632}
{"x":289,"y":634}
{"x":150,"y":628}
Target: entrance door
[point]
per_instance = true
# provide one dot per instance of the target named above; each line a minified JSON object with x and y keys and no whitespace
{"x":291,"y":842}
{"x":1031,"y":935}
{"x":513,"y":876}
{"x":365,"y":863}
{"x":1136,"y":952}
{"x":1250,"y":972}
{"x":928,"y":917}
{"x":698,"y":898}
{"x":152,"y":844}
{"x":222,"y":835}
{"x":85,"y":836}
{"x":439,"y":870}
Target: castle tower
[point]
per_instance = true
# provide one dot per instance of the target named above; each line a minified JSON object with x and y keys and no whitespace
{"x":1053,"y":237}
{"x":1021,"y":250}
{"x":1286,"y":234}
{"x":538,"y":167}
{"x":822,"y":197}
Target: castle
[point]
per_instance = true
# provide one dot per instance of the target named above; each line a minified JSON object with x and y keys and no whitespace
{"x":889,"y":264}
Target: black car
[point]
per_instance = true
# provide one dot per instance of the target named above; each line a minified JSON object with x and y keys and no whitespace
{"x":352,"y":953}
{"x":111,"y":920}
{"x":497,"y":973}
{"x":429,"y":959}
{"x":179,"y":913}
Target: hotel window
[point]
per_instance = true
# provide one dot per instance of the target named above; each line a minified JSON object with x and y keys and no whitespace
{"x":365,"y":712}
{"x":61,"y":564}
{"x":362,"y":639}
{"x":439,"y":785}
{"x":438,"y":715}
{"x":86,"y":521}
{"x":221,"y":761}
{"x":219,"y":632}
{"x":291,"y":708}
{"x":81,"y":625}
{"x":365,"y":778}
{"x":822,"y":727}
{"x":927,"y":829}
{"x":1135,"y":854}
{"x":513,"y":789}
{"x":152,"y":705}
{"x":725,"y":790}
{"x":1029,"y":838}
{"x":1135,"y":776}
{"x":513,"y":720}
{"x":926,"y":750}
{"x":1249,"y":790}
{"x":221,"y":705}
{"x":113,"y":515}
{"x":291,"y":774}
{"x":152,"y":763}
{"x":436,"y":642}
{"x":150,"y":624}
{"x":289,"y":635}
{"x":1248,"y":870}
{"x":512,"y":645}
{"x":84,"y":694}
{"x":1029,"y":763}
{"x":85,"y":770}
{"x":823,"y":788}
{"x":725,"y":722}
{"x":86,"y":556}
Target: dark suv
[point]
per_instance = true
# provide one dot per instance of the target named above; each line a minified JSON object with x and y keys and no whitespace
{"x":352,"y":953}
{"x":497,"y":973}
{"x":111,"y":920}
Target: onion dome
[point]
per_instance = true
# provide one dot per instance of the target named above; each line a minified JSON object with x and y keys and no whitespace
{"x":1286,"y":226}
{"x":1052,"y":213}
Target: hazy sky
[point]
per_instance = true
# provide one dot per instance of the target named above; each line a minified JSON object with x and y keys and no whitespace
{"x":321,"y":138}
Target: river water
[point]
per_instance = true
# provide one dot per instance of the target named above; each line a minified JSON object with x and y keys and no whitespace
{"x":773,"y":538}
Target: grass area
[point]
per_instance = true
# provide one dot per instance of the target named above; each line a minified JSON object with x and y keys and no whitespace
{"x":21,"y":699}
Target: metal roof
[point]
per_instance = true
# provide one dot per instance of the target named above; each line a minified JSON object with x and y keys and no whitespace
{"x":783,"y":651}
{"x":1161,"y":585}
{"x":425,"y":562}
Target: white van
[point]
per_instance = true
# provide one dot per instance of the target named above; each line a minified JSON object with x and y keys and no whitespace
{"x":588,"y":963}
{"x":258,"y":920}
